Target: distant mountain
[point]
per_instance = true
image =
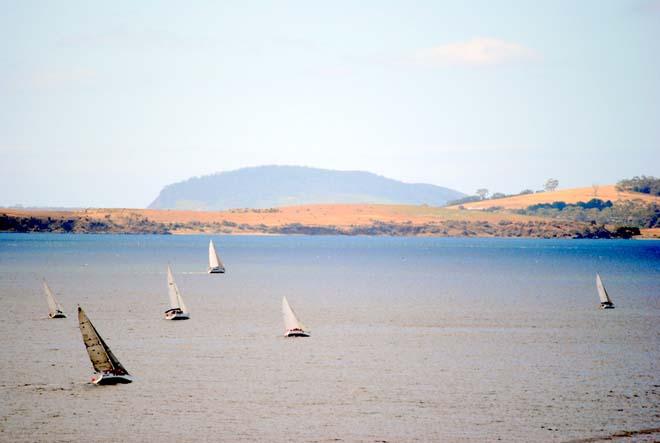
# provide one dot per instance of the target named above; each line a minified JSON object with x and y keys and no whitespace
{"x":272,"y":186}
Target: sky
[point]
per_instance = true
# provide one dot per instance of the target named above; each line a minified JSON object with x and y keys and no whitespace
{"x":104,"y":103}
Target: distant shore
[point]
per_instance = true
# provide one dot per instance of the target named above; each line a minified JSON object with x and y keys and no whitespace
{"x":328,"y":219}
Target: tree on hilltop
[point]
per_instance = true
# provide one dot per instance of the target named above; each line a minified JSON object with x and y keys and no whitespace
{"x":483,"y":193}
{"x":551,"y":185}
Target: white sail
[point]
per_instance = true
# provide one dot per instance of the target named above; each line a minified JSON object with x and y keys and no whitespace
{"x":176,"y":301}
{"x":182,"y":305}
{"x":172,"y":290}
{"x":602,"y":293}
{"x":214,"y":260}
{"x":53,"y":306}
{"x":100,"y":354}
{"x":290,"y":319}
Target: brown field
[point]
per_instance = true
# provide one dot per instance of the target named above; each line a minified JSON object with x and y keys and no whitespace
{"x":330,"y":215}
{"x":341,"y":215}
{"x":342,"y":219}
{"x":605,"y":192}
{"x":651,"y":233}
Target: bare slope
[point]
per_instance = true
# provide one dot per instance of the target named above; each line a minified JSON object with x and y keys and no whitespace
{"x":605,"y":192}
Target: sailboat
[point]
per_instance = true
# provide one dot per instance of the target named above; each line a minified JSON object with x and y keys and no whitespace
{"x":177,"y":309}
{"x":108,"y":369}
{"x":292,"y":326}
{"x":605,"y":300}
{"x":54,"y":308}
{"x":215,"y":265}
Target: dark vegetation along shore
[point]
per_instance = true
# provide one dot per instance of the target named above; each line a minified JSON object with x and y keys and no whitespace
{"x":629,"y":206}
{"x":75,"y":224}
{"x":627,"y":213}
{"x":308,"y":220}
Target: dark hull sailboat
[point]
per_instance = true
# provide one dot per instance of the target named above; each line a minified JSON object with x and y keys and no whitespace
{"x":109,"y":371}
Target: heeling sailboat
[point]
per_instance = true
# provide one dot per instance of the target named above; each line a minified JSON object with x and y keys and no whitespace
{"x":109,"y":370}
{"x":292,"y":326}
{"x":605,"y":300}
{"x":177,"y":309}
{"x":215,"y":265}
{"x":54,"y":308}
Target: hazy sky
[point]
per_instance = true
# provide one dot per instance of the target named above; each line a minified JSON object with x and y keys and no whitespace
{"x":104,"y":103}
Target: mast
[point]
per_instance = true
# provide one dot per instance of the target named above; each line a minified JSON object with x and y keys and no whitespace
{"x":102,"y":358}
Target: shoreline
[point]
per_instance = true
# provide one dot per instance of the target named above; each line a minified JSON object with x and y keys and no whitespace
{"x":339,"y":219}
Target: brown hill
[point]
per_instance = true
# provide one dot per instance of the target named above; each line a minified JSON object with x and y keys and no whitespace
{"x":605,"y":192}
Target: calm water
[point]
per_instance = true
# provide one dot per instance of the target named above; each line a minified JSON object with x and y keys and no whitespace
{"x":413,"y":339}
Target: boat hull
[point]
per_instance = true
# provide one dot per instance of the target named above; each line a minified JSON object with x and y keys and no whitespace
{"x":216,"y":270}
{"x":296,"y":334}
{"x":177,"y":316}
{"x":606,"y":306}
{"x":57,"y":315}
{"x":111,"y":379}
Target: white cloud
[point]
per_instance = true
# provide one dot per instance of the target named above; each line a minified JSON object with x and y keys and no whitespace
{"x":479,"y":51}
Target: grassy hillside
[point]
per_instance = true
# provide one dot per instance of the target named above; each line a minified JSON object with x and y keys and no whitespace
{"x":605,"y":192}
